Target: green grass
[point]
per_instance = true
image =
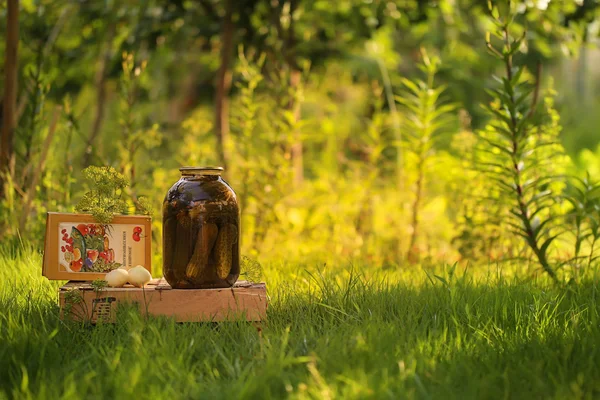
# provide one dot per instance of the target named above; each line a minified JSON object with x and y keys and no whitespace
{"x":343,"y":335}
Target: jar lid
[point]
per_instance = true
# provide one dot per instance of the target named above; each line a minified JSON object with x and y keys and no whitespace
{"x":201,"y":170}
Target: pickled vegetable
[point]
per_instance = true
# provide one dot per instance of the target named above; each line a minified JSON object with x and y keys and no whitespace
{"x":198,"y":264}
{"x":183,"y":250}
{"x":169,"y":226}
{"x":224,"y":250}
{"x":200,"y":231}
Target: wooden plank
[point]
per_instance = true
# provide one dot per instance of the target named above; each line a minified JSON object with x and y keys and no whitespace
{"x":245,"y":301}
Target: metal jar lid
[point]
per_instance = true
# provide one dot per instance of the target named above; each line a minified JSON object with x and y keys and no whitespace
{"x":191,"y":171}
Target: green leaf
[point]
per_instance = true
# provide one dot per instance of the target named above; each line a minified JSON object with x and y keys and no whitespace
{"x":594,"y":193}
{"x":540,"y":227}
{"x":524,"y":236}
{"x":538,"y":197}
{"x":517,"y":75}
{"x":441,"y":279}
{"x":507,"y":87}
{"x":78,"y":241}
{"x":411,"y":86}
{"x":546,"y":244}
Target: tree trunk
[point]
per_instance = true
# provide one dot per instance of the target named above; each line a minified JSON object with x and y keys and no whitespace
{"x":294,"y":104}
{"x":52,"y":37}
{"x":37,"y":174}
{"x":297,"y":150}
{"x":100,"y":80}
{"x":223,"y":85}
{"x":10,"y":89}
{"x":582,"y":79}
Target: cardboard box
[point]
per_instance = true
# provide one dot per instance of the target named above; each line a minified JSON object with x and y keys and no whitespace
{"x":80,"y":249}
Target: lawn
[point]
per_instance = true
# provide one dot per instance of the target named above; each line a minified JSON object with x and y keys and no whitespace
{"x":351,"y":332}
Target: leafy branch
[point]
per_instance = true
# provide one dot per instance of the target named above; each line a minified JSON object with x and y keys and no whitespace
{"x":583,"y":195}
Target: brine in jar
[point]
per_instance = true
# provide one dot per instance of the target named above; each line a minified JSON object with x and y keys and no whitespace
{"x":201,"y":229}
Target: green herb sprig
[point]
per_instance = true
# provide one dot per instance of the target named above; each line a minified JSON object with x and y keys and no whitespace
{"x":106,"y":197}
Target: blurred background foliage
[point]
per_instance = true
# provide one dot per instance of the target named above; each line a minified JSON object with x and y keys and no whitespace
{"x":317,"y":109}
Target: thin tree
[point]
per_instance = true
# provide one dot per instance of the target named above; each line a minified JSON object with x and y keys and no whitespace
{"x":223,"y":84}
{"x":10,"y":89}
{"x":287,"y":36}
{"x":294,"y":103}
{"x":100,"y":83}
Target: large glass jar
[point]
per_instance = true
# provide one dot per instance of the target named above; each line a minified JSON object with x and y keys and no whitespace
{"x":201,"y":228}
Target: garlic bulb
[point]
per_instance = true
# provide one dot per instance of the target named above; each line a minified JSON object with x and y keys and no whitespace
{"x":117,"y":277}
{"x":139,"y":276}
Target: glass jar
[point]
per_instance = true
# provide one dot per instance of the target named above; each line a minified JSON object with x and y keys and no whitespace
{"x":201,"y":229}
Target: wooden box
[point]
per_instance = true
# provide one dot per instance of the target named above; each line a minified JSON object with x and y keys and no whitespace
{"x":244,"y":301}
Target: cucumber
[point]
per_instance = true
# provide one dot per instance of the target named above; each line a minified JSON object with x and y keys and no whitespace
{"x":224,"y":249}
{"x":183,"y":245}
{"x":169,"y":226}
{"x":196,"y":268}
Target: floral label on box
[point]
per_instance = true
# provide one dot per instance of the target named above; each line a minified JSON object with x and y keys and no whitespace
{"x":98,"y":248}
{"x":79,"y":248}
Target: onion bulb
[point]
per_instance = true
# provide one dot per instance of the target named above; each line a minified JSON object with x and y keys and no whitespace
{"x":139,"y":276}
{"x":117,"y":277}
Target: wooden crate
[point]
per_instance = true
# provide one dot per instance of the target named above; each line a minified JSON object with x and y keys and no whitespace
{"x":245,"y":301}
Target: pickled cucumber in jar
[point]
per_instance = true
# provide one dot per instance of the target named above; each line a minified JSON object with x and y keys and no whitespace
{"x":201,"y":228}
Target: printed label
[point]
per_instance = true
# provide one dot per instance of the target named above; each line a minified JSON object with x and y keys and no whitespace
{"x":100,"y":248}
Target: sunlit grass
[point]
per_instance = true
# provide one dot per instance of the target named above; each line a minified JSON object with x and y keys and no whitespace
{"x":332,"y":332}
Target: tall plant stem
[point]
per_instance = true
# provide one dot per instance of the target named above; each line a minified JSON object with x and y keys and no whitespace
{"x":591,"y":256}
{"x":522,"y":206}
{"x":412,"y":251}
{"x":389,"y":96}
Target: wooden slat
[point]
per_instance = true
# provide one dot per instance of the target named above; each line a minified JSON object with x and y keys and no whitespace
{"x":246,"y":301}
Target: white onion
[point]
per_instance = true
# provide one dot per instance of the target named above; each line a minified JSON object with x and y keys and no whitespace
{"x":117,"y":277}
{"x":139,"y":276}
